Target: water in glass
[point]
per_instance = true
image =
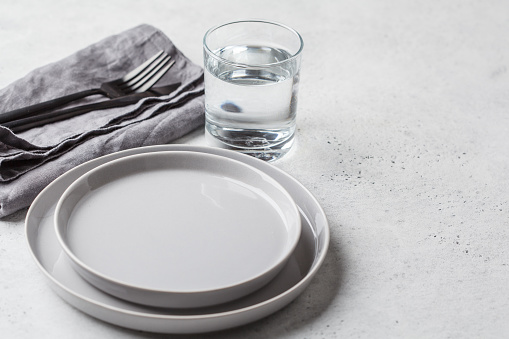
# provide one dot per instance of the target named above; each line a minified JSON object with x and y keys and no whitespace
{"x":252,"y":108}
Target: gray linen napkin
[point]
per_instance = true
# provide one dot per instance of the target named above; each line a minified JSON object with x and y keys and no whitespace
{"x":30,"y":160}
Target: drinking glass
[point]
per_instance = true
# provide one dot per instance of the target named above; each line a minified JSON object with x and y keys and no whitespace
{"x":251,"y":84}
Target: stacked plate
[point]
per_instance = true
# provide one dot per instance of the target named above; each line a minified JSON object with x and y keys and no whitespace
{"x":177,"y":239}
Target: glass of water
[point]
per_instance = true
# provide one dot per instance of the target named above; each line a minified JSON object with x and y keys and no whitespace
{"x":251,"y":84}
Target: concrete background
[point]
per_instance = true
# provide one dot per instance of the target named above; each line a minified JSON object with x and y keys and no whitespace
{"x":403,"y":137}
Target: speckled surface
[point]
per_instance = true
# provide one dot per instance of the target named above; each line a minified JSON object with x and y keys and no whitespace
{"x":403,"y":137}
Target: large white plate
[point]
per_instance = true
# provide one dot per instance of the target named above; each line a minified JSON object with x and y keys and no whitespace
{"x":177,"y":229}
{"x":284,"y":288}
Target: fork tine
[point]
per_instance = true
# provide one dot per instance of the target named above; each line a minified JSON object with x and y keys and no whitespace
{"x":141,"y":68}
{"x":147,"y":76}
{"x":144,"y":76}
{"x":155,"y":78}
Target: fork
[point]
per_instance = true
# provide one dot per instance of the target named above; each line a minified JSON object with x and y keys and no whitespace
{"x":137,"y":81}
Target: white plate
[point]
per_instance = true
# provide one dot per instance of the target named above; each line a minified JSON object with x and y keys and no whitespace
{"x":284,"y":288}
{"x":177,"y":229}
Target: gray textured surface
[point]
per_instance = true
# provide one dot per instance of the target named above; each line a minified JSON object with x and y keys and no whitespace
{"x":403,"y":137}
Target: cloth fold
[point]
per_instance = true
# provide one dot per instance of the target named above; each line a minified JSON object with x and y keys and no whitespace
{"x":30,"y":160}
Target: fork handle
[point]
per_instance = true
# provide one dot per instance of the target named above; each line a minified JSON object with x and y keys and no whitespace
{"x":23,"y":124}
{"x":43,"y":106}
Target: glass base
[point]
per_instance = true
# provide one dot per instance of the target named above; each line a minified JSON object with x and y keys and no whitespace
{"x":264,"y":145}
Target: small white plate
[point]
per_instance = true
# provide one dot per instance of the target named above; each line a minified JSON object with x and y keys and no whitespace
{"x":177,"y":229}
{"x":297,"y":274}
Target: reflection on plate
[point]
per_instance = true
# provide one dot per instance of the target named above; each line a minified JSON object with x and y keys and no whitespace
{"x":285,"y":287}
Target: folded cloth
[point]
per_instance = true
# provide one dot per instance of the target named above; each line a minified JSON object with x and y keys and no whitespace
{"x":30,"y":160}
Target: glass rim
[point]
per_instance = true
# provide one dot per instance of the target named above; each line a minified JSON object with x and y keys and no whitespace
{"x":243,"y":65}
